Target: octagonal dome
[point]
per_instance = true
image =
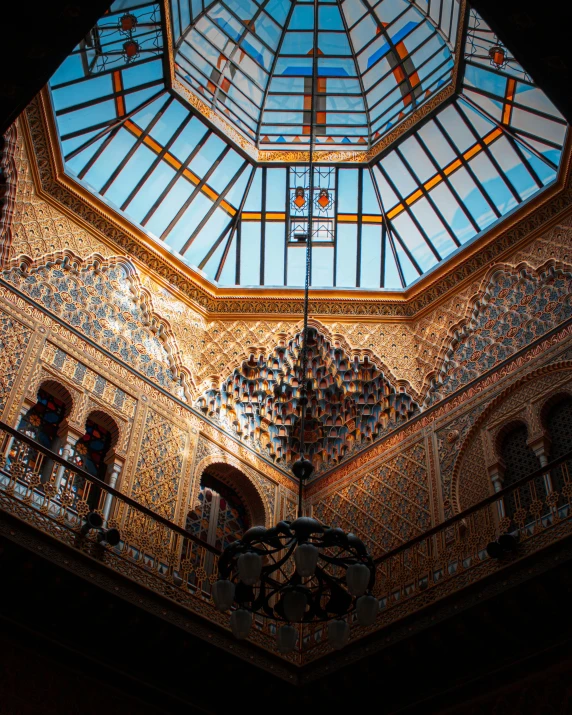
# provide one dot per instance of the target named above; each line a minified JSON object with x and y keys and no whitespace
{"x":256,"y":64}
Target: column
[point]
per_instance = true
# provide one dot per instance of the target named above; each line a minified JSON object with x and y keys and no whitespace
{"x":111,"y":480}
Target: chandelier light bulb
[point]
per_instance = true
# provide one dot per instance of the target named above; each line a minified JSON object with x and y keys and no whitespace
{"x":338,"y":633}
{"x":287,"y":637}
{"x":240,"y":622}
{"x":223,"y":594}
{"x":357,"y":578}
{"x":249,"y":568}
{"x":295,"y":603}
{"x":306,"y":558}
{"x":367,"y":610}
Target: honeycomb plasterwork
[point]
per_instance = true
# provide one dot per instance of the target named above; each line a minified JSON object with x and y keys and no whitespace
{"x":350,"y":404}
{"x":39,"y":229}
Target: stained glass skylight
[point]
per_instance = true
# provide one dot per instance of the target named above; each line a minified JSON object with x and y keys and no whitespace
{"x":151,"y":155}
{"x":371,"y":64}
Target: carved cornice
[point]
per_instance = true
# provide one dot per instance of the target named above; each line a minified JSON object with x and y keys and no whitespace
{"x":54,"y":186}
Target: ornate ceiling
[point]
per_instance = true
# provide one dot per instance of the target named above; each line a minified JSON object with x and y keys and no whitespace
{"x":137,"y":132}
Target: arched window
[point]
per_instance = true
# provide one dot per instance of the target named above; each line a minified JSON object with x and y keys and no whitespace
{"x":42,"y":421}
{"x":520,"y":461}
{"x":220,"y":516}
{"x":558,"y":421}
{"x":89,"y":453}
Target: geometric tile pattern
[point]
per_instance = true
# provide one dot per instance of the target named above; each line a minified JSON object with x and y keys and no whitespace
{"x":387,"y":506}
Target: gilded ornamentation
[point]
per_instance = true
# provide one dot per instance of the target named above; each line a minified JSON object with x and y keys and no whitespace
{"x":351,"y":402}
{"x":159,"y":469}
{"x":104,"y":300}
{"x":470,"y":481}
{"x":8,"y":184}
{"x":14,"y":340}
{"x":387,"y":505}
{"x":514,"y":309}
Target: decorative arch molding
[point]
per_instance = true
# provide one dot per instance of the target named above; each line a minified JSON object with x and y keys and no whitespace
{"x":154,"y":350}
{"x":558,"y":395}
{"x":492,"y":330}
{"x":59,"y":390}
{"x":8,"y":181}
{"x":473,"y":434}
{"x":246,"y":486}
{"x":103,"y":419}
{"x":352,"y":402}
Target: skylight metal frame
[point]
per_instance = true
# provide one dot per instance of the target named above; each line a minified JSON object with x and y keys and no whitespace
{"x":229,"y":220}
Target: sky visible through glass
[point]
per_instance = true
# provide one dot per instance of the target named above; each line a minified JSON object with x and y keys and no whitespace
{"x":142,"y":148}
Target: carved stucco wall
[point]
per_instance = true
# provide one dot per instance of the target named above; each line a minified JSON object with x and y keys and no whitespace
{"x":192,"y":352}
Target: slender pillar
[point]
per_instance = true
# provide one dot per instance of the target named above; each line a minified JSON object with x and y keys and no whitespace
{"x":112,"y":482}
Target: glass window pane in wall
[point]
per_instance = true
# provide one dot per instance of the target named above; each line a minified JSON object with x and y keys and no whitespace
{"x":414,"y":241}
{"x":204,"y":240}
{"x":322,"y":265}
{"x":452,"y":212}
{"x":250,"y":253}
{"x":399,"y":175}
{"x":296,"y":265}
{"x":347,"y":255}
{"x":210,"y":151}
{"x":348,"y":191}
{"x":117,"y":148}
{"x":409,"y":272}
{"x":254,"y":198}
{"x":493,"y":183}
{"x":370,"y":203}
{"x":274,"y":253}
{"x":391,"y":278}
{"x":228,"y":273}
{"x":149,"y":192}
{"x":129,"y":176}
{"x":472,"y":197}
{"x":433,"y":227}
{"x":514,"y":169}
{"x":225,"y":171}
{"x":370,"y":256}
{"x":276,"y":190}
{"x":167,"y":210}
{"x":188,"y":221}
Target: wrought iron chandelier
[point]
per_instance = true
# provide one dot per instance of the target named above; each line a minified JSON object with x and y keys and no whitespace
{"x":300,"y":571}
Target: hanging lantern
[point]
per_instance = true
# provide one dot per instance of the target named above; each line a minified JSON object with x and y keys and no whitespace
{"x":240,"y":622}
{"x":497,"y":56}
{"x":299,"y":197}
{"x":338,"y":633}
{"x":367,"y":609}
{"x":223,"y":594}
{"x":287,"y":637}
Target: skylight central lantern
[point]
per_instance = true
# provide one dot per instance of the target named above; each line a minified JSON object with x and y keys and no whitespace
{"x":252,"y":65}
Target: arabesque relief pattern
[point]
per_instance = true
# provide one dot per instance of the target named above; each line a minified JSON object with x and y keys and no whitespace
{"x":159,"y":471}
{"x":104,"y":301}
{"x":386,"y":505}
{"x":515,"y":308}
{"x":14,"y":339}
{"x":350,"y":402}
